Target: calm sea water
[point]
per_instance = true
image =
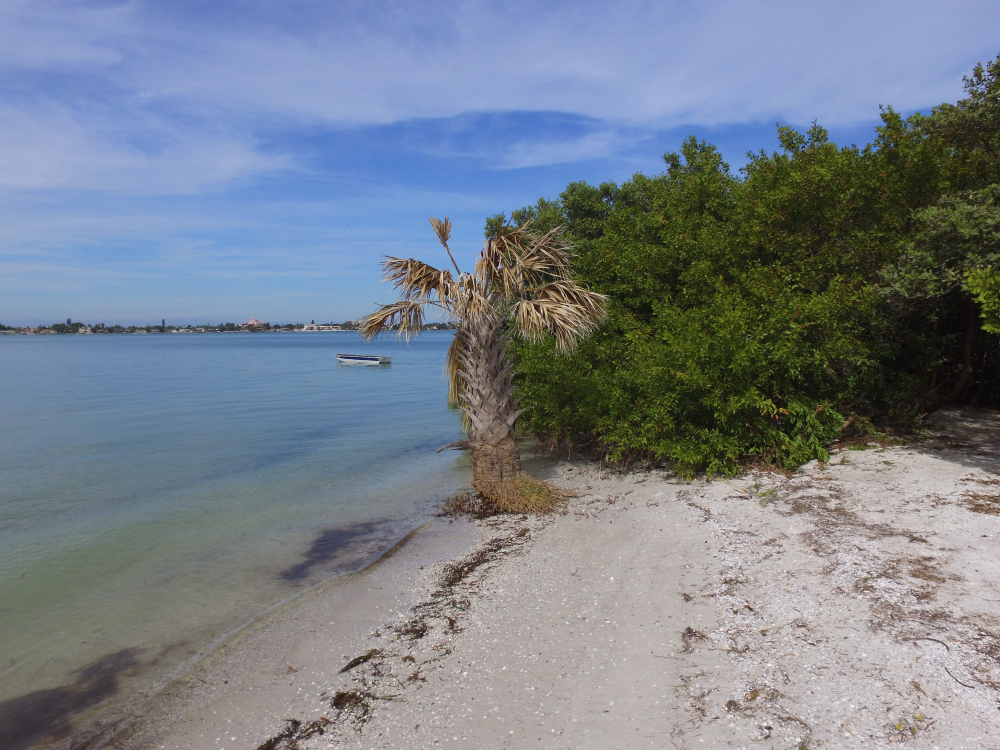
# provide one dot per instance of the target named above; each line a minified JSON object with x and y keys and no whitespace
{"x":157,"y":491}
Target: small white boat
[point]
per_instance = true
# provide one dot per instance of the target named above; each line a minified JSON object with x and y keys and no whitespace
{"x":363,"y":359}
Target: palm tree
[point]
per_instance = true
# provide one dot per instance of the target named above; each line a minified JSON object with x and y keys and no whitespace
{"x":521,"y":286}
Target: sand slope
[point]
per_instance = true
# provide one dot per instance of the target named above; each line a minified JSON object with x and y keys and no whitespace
{"x":850,"y":606}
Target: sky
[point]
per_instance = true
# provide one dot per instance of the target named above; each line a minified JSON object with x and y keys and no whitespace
{"x":215,"y":160}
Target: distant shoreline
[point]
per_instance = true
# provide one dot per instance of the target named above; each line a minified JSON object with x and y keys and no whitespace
{"x":172,"y":330}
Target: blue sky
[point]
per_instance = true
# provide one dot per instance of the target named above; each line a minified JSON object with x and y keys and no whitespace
{"x":214,"y":161}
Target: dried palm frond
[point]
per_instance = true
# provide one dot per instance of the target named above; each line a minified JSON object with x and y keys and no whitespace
{"x":473,"y":299}
{"x":508,"y":240}
{"x":563,"y":308}
{"x":406,"y":316}
{"x":550,"y":255}
{"x":416,"y":280}
{"x":516,"y":259}
{"x":568,"y":292}
{"x":443,"y":231}
{"x":453,"y":371}
{"x":499,"y":262}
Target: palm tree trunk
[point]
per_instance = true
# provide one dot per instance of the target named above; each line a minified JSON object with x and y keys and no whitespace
{"x":494,"y":465}
{"x":488,"y":400}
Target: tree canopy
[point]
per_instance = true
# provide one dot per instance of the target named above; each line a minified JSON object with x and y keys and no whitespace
{"x":750,"y":315}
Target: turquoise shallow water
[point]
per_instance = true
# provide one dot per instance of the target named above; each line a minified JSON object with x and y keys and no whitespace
{"x":157,"y":491}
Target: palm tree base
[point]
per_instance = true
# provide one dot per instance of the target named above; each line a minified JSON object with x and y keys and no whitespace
{"x":495,"y":464}
{"x":503,"y":487}
{"x":520,"y":494}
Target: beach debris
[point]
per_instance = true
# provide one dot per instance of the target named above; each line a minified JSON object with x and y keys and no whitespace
{"x":293,"y":733}
{"x":357,"y":704}
{"x":963,"y":684}
{"x":689,"y":636}
{"x":413,"y":629}
{"x":455,"y":573}
{"x":348,"y":699}
{"x":392,"y":668}
{"x":738,"y":489}
{"x":907,"y":727}
{"x":768,"y":496}
{"x":359,"y":660}
{"x":465,"y":504}
{"x":458,"y":572}
{"x":981,"y":503}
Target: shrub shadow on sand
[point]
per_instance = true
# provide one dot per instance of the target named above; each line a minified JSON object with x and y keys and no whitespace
{"x":964,"y":436}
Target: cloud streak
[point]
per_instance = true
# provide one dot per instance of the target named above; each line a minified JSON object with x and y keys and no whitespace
{"x":158,"y":152}
{"x":174,"y":96}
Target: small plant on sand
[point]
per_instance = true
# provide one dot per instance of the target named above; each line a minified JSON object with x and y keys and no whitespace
{"x":521,"y":286}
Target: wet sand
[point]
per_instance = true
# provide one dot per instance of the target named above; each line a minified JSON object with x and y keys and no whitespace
{"x":254,"y":679}
{"x":853,"y":605}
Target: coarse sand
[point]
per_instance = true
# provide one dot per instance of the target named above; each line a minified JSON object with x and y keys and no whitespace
{"x":851,"y":605}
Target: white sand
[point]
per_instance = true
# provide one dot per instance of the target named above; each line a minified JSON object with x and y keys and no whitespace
{"x":848,"y":607}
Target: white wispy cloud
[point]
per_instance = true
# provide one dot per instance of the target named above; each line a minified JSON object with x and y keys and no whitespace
{"x":49,"y":144}
{"x":173,"y":96}
{"x":654,"y":64}
{"x":158,"y":153}
{"x":602,"y":144}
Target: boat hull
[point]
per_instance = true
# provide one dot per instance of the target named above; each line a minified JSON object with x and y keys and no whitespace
{"x":363,"y":359}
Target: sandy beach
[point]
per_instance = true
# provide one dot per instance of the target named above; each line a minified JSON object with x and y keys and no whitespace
{"x":851,"y":605}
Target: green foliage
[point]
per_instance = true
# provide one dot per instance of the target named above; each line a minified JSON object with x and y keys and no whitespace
{"x":748,"y":313}
{"x":984,"y":283}
{"x":958,"y":233}
{"x":971,"y":127}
